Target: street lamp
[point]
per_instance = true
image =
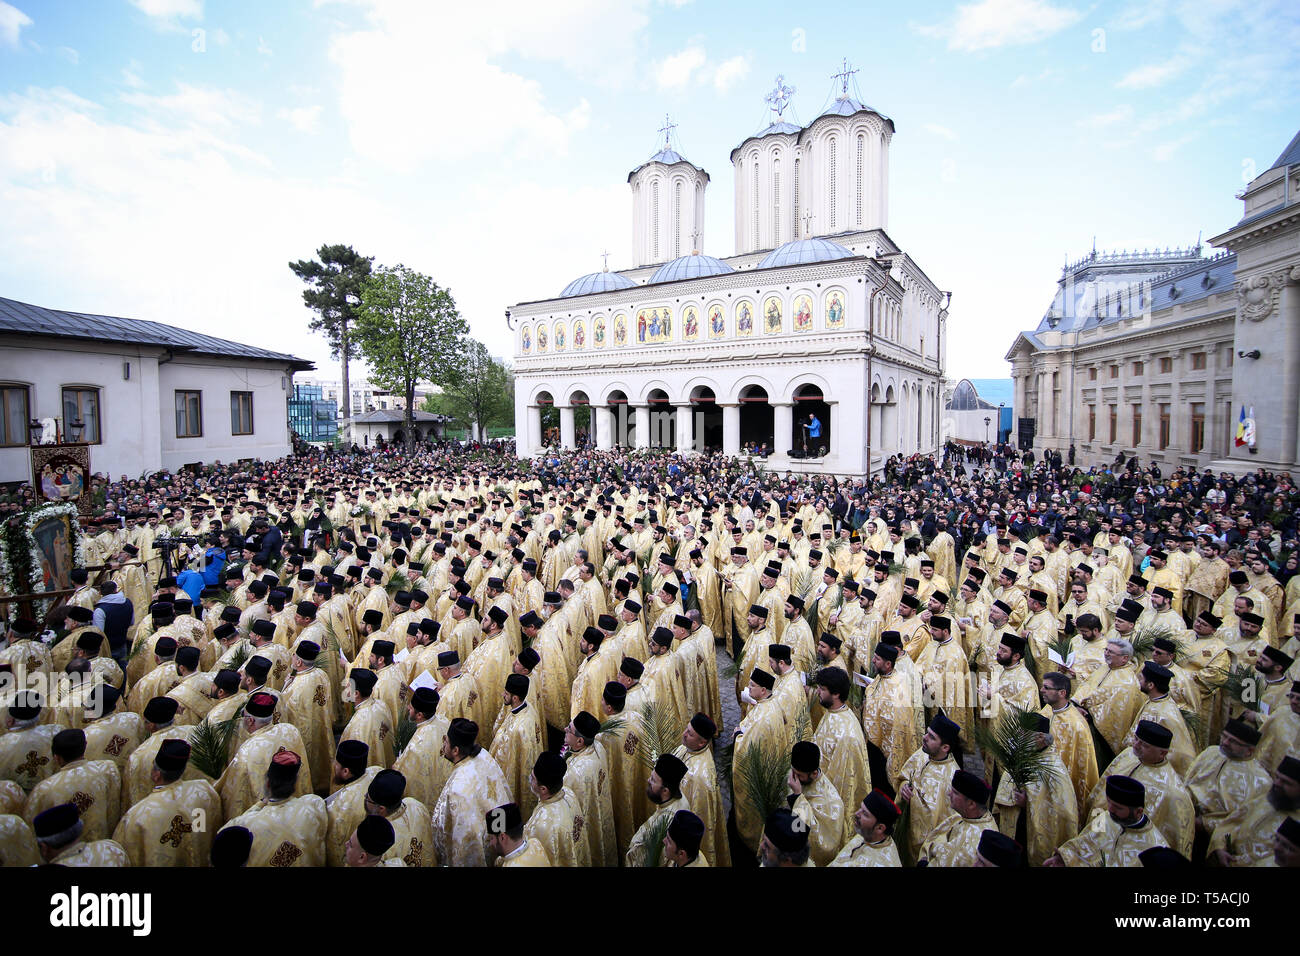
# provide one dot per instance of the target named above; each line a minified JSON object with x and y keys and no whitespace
{"x":987,"y":420}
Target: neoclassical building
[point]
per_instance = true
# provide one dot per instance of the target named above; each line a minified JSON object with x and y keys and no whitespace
{"x":819,"y":311}
{"x":1158,"y":353}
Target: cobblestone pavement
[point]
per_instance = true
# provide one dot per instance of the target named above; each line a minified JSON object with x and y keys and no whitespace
{"x":730,"y":718}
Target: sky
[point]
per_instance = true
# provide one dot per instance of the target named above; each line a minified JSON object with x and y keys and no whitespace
{"x":166,"y":159}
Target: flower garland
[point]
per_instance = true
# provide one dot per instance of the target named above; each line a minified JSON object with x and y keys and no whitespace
{"x":16,"y":550}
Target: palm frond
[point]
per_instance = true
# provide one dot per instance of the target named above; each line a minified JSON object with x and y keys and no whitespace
{"x":1063,"y":645}
{"x":1012,"y":742}
{"x":661,"y":733}
{"x":614,"y":725}
{"x":398,"y":582}
{"x":403,"y":733}
{"x":210,"y":744}
{"x":1143,"y":645}
{"x":1241,"y":686}
{"x":729,"y":669}
{"x":242,"y":653}
{"x":138,"y":646}
{"x":654,"y":841}
{"x":1195,"y":726}
{"x":857,"y":695}
{"x":723,"y":757}
{"x":759,"y":777}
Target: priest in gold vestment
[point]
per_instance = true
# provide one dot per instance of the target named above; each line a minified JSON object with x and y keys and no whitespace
{"x":175,"y":822}
{"x":288,"y":826}
{"x":476,"y":785}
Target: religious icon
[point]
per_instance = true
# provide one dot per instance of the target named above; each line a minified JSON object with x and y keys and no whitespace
{"x":654,"y":325}
{"x":620,"y":329}
{"x":51,"y":544}
{"x":744,"y":319}
{"x":803,"y":314}
{"x":717,"y":324}
{"x":579,"y":334}
{"x":598,"y":331}
{"x":559,"y":337}
{"x":62,"y":481}
{"x":772,"y":315}
{"x":528,"y":340}
{"x":541,"y":338}
{"x":690,"y":323}
{"x":834,"y":311}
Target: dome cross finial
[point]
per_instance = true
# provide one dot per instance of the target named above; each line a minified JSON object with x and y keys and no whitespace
{"x":843,"y":76}
{"x":667,"y":130}
{"x":807,"y":224}
{"x":605,"y":255}
{"x":779,"y":98}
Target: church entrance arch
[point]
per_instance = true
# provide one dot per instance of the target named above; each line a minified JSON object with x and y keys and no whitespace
{"x":621,"y":415}
{"x":582,"y":431}
{"x":808,"y":399}
{"x":550,"y":418}
{"x":756,"y":420}
{"x":663,"y":420}
{"x":708,"y":418}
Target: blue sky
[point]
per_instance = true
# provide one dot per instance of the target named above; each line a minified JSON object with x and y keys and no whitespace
{"x":165,"y":159}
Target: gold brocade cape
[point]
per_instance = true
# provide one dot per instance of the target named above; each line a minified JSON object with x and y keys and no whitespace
{"x":1072,"y":738}
{"x":558,"y":825}
{"x":372,"y":723}
{"x":476,"y":785}
{"x":244,"y":779}
{"x":305,"y":703}
{"x":1168,"y":801}
{"x":345,"y":808}
{"x":588,"y":779}
{"x":1112,"y":698}
{"x":893,"y":720}
{"x":286,"y":832}
{"x":858,"y":852}
{"x":1104,"y":842}
{"x":955,"y":839}
{"x":764,"y":727}
{"x":172,"y":826}
{"x":704,"y":797}
{"x":640,"y":851}
{"x":1221,"y":785}
{"x":93,"y":786}
{"x":518,"y":742}
{"x":822,"y":810}
{"x":930,"y":780}
{"x":844,"y":756}
{"x":1052,"y":808}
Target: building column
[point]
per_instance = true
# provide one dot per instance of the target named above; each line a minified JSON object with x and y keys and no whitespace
{"x":642,"y":425}
{"x":685,"y":429}
{"x":832,"y":419}
{"x":566,"y":426}
{"x":782,"y":424}
{"x":602,"y":420}
{"x":731,"y":429}
{"x":534,"y":429}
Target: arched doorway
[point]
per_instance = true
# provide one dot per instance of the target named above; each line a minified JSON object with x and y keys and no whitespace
{"x":808,"y":400}
{"x":663,"y":420}
{"x":889,"y":423}
{"x":550,"y":419}
{"x":756,"y":421}
{"x":620,"y":413}
{"x":708,"y":418}
{"x":582,"y":432}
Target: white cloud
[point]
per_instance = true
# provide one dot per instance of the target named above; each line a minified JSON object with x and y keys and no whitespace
{"x":305,"y":119}
{"x":1153,"y":74}
{"x":69,"y":54}
{"x":989,"y":24}
{"x":447,"y":57}
{"x":198,"y":107}
{"x":131,"y":75}
{"x":1024,"y":79}
{"x":1121,"y":114}
{"x":170,"y":10}
{"x":12,"y":21}
{"x":730,"y":72}
{"x":1165,"y":151}
{"x":938,"y":130}
{"x":262,"y":48}
{"x":220,"y":37}
{"x":674,"y":72}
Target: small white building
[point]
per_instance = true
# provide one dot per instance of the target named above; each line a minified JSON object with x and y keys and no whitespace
{"x":144,"y":395}
{"x":389,"y":424}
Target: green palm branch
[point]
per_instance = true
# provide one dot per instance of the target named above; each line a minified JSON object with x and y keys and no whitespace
{"x":1012,"y":742}
{"x":1143,"y":645}
{"x":1195,"y":726}
{"x":662,"y":734}
{"x":1241,"y":686}
{"x":613,"y":725}
{"x":398,"y":582}
{"x":242,"y":653}
{"x":759,"y":776}
{"x":210,"y":744}
{"x":403,"y":733}
{"x":1063,"y":645}
{"x":654,"y":841}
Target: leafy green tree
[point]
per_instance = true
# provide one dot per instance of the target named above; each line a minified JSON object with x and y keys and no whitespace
{"x":409,"y":331}
{"x":334,"y":282}
{"x":483,"y":387}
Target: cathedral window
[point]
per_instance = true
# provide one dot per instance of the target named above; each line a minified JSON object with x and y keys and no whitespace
{"x":862,"y":148}
{"x":831,"y":183}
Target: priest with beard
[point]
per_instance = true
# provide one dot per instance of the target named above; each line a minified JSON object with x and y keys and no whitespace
{"x":1118,"y":836}
{"x":518,"y":740}
{"x":955,"y":838}
{"x":476,"y":785}
{"x":557,"y":822}
{"x":891,"y":719}
{"x":926,"y":779}
{"x":421,"y":762}
{"x":1245,"y":838}
{"x":873,"y":843}
{"x":664,"y":790}
{"x":700,"y":787}
{"x":1045,"y":813}
{"x":839,"y":738}
{"x":588,"y":778}
{"x":814,"y":800}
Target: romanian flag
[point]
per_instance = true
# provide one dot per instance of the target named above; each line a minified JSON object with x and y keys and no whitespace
{"x":1241,"y":427}
{"x":1246,"y":428}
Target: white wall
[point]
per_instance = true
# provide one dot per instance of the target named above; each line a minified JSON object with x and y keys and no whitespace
{"x":137,"y":414}
{"x":215,"y":380}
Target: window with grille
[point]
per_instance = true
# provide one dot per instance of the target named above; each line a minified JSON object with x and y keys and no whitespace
{"x":755,"y":203}
{"x":1165,"y":427}
{"x":81,"y":405}
{"x":798,"y":223}
{"x":13,"y":415}
{"x":189,"y":414}
{"x":654,"y":221}
{"x":241,"y":413}
{"x":677,"y":220}
{"x":776,"y":202}
{"x":862,"y":148}
{"x":831,"y":183}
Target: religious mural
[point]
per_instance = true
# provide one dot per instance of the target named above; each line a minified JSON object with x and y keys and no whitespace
{"x":803,"y":321}
{"x":559,"y":337}
{"x":744,"y":317}
{"x":654,"y":325}
{"x":541,"y":338}
{"x":527,"y":340}
{"x":717,"y":322}
{"x":598,"y":331}
{"x":690,"y":323}
{"x":835,"y":318}
{"x":579,"y":334}
{"x":620,"y":329}
{"x":772,"y":314}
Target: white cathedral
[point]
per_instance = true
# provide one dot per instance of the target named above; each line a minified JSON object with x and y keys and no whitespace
{"x":819,"y":313}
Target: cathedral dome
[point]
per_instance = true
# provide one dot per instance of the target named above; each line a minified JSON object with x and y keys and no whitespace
{"x":597,"y":282}
{"x":690,"y":267}
{"x":802,"y":251}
